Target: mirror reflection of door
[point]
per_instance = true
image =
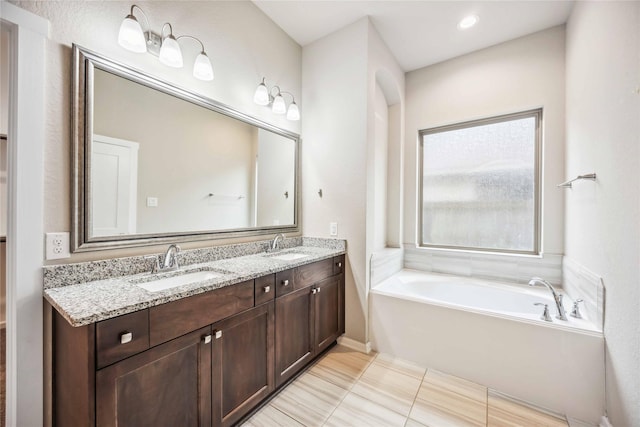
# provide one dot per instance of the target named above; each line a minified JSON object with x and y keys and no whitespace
{"x":114,"y":164}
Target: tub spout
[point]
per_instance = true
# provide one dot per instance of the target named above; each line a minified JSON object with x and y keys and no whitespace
{"x":556,"y":296}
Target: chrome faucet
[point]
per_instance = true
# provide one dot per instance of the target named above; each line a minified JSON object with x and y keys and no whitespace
{"x":170,"y":262}
{"x":274,"y":243}
{"x":556,"y":296}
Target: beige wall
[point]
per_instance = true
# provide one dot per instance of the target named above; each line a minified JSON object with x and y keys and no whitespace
{"x":602,"y":231}
{"x":338,"y":150}
{"x":243,"y":44}
{"x":518,"y":75}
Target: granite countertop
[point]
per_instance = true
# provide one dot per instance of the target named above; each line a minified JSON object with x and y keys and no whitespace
{"x":93,"y":301}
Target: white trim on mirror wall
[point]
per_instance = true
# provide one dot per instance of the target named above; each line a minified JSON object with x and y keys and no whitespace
{"x":25,"y":216}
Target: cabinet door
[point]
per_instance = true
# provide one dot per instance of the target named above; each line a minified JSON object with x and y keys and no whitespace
{"x":327,"y":299}
{"x":168,"y":385}
{"x":242,"y":363}
{"x":294,"y":333}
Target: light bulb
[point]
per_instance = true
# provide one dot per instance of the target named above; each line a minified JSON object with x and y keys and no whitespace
{"x":202,"y":69}
{"x":279,"y":106}
{"x":170,"y":52}
{"x":293,"y":113}
{"x":261,"y":97}
{"x":131,"y":36}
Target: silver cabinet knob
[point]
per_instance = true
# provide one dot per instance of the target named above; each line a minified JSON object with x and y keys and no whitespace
{"x":285,"y":282}
{"x":318,"y":289}
{"x":218,"y":334}
{"x":126,"y":337}
{"x":206,"y":339}
{"x":266,"y":289}
{"x":339,"y":265}
{"x":314,"y":291}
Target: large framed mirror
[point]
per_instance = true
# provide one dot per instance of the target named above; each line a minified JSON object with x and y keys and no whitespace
{"x":154,"y":163}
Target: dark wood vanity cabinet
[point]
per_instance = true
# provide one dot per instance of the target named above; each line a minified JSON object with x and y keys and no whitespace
{"x":242,"y":363}
{"x":205,"y":360}
{"x":311,"y":318}
{"x":168,"y":385}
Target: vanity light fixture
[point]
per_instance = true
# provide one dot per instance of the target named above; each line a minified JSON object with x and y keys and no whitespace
{"x":468,"y":22}
{"x":265,"y":96}
{"x":166,"y":48}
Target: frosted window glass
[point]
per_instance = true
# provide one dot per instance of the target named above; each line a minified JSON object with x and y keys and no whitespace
{"x":479,"y":185}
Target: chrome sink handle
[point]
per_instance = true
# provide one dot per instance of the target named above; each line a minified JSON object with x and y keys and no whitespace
{"x":155,"y":266}
{"x":575,"y":312}
{"x":545,"y":313}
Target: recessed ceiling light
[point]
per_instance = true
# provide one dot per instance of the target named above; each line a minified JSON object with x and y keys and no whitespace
{"x":468,"y":22}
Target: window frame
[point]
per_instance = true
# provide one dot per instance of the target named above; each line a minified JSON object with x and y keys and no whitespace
{"x":537,"y":191}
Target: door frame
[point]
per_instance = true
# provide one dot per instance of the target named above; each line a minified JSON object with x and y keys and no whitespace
{"x":25,"y":214}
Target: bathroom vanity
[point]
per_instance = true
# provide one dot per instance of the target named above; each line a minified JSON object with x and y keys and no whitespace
{"x":206,"y":359}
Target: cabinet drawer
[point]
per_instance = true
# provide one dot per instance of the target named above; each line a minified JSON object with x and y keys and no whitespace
{"x":121,"y":337}
{"x":171,"y":320}
{"x":284,"y":282}
{"x":338,"y":264}
{"x":309,"y":274}
{"x":265,"y":289}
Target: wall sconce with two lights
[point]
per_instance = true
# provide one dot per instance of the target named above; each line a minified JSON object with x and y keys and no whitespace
{"x":166,"y":48}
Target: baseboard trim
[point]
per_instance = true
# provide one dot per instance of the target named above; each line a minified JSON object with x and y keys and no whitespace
{"x":355,"y":345}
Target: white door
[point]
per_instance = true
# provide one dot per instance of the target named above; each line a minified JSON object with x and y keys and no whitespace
{"x":114,"y":181}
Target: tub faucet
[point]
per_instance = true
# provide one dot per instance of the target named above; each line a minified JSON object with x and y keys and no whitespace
{"x":170,"y":259}
{"x":556,"y":296}
{"x":274,"y":243}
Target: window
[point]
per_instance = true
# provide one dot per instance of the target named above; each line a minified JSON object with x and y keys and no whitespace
{"x":480,"y":184}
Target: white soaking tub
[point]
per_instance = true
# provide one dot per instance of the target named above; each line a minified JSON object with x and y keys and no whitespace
{"x":491,"y":333}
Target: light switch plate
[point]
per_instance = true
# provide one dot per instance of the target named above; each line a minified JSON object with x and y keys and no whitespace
{"x":57,"y":245}
{"x":333,"y":228}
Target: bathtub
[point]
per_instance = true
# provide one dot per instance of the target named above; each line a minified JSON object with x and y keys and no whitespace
{"x":491,"y":333}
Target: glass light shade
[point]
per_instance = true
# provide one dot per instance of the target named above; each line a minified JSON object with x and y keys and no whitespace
{"x":202,"y":69}
{"x":131,"y":36}
{"x":170,"y":52}
{"x":261,"y":97}
{"x":293,"y":113}
{"x":279,"y":106}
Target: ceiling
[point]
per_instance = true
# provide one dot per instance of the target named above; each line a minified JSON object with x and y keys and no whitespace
{"x":419,"y":33}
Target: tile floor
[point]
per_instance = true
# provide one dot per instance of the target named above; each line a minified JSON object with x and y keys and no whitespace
{"x":348,"y":388}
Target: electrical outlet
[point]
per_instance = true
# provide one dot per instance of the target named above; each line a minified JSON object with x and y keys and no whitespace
{"x":57,"y":245}
{"x":333,"y":228}
{"x":152,"y":202}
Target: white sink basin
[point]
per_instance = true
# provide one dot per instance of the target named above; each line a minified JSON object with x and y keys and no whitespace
{"x":178,"y":280}
{"x":289,"y":256}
